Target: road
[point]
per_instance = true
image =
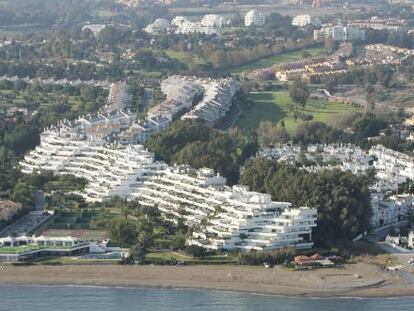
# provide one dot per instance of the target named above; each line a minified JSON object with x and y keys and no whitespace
{"x":40,"y":202}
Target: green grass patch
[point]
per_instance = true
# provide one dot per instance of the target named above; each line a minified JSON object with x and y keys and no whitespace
{"x":277,"y":59}
{"x":18,"y":249}
{"x":273,"y":106}
{"x":184,"y":57}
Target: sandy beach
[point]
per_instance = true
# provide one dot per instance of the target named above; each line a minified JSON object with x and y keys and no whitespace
{"x":337,"y":282}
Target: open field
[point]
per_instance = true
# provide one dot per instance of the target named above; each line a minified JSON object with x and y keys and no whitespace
{"x":277,"y":59}
{"x":273,"y":106}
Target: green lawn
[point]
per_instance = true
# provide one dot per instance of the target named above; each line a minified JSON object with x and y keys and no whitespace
{"x":18,"y":249}
{"x":184,"y":57}
{"x":277,"y":59}
{"x":273,"y":106}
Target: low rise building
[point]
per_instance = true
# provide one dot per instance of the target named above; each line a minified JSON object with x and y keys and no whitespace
{"x":22,"y":248}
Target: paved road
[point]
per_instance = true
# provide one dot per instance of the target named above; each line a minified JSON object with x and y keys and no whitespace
{"x":40,"y":202}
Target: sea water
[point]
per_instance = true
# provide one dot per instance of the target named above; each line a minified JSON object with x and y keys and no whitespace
{"x":68,"y":298}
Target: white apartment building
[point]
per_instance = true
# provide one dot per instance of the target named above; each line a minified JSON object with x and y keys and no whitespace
{"x":392,"y":165}
{"x":111,"y":170}
{"x":340,"y":33}
{"x":189,"y":27}
{"x":83,"y":148}
{"x":223,"y":217}
{"x":160,"y":26}
{"x":212,"y":20}
{"x":254,"y":18}
{"x":95,"y":28}
{"x":181,"y":191}
{"x":210,"y":24}
{"x":204,"y":99}
{"x":179,"y":20}
{"x":392,"y":210}
{"x":304,"y":20}
{"x":250,"y":220}
{"x":217,"y":100}
{"x":139,"y":132}
{"x":181,"y":93}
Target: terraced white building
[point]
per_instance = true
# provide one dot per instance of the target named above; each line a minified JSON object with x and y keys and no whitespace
{"x":74,"y":148}
{"x":217,"y":100}
{"x":223,"y":217}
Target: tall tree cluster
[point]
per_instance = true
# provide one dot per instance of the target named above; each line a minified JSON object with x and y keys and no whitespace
{"x":341,"y":198}
{"x":193,"y":143}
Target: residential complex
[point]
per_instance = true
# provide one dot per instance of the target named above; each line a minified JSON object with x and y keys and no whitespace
{"x":196,"y":98}
{"x":224,"y":217}
{"x":210,"y":24}
{"x":307,"y":69}
{"x":392,"y":169}
{"x":216,"y":102}
{"x":252,"y":221}
{"x":254,"y":18}
{"x":110,"y":169}
{"x":246,"y":220}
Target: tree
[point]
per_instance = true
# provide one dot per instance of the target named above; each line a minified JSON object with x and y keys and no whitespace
{"x":314,"y":132}
{"x":369,"y":125}
{"x":193,"y":143}
{"x":178,"y":241}
{"x":23,"y":193}
{"x":299,"y":93}
{"x":270,"y":134}
{"x":195,"y":251}
{"x":123,"y":231}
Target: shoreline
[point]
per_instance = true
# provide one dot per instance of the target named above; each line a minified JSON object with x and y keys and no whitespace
{"x":334,"y":283}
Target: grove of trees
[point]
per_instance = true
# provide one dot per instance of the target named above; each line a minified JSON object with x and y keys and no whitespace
{"x":342,"y":199}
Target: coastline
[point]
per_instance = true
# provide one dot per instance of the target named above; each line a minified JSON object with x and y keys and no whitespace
{"x":335,"y":282}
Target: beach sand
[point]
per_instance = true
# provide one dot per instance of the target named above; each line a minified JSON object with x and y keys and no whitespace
{"x":335,"y":282}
